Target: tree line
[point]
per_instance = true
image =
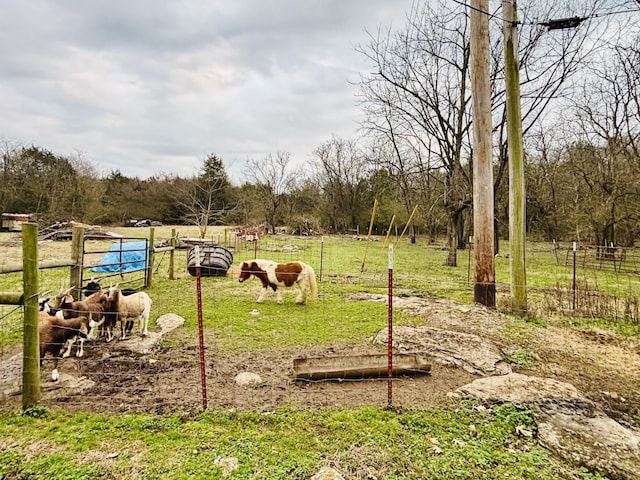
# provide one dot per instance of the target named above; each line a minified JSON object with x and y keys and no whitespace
{"x":580,"y":91}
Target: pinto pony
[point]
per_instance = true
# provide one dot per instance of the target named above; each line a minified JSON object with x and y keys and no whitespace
{"x":272,"y":274}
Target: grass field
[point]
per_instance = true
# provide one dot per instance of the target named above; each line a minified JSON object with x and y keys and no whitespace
{"x":459,"y":439}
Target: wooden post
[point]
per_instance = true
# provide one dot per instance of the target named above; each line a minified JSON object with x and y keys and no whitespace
{"x":172,"y":256}
{"x":77,"y":252}
{"x":484,"y":288}
{"x":31,"y":340}
{"x":151,"y":257}
{"x":366,"y":246}
{"x":11,"y":298}
{"x":516,"y":160}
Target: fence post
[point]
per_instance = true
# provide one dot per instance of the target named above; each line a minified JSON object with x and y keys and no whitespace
{"x":390,"y":328}
{"x":77,"y":251}
{"x":574,"y":275}
{"x":172,"y":254}
{"x":151,"y":257}
{"x":31,"y":342}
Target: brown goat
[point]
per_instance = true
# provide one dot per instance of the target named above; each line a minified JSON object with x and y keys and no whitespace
{"x":91,"y":307}
{"x":57,"y":335}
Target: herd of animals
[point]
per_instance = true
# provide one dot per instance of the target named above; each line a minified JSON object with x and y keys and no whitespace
{"x":70,"y":321}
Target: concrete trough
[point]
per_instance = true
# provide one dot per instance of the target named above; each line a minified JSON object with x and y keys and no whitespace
{"x":358,"y":366}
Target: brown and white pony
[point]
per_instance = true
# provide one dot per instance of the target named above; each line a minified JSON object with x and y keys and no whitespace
{"x":272,"y":274}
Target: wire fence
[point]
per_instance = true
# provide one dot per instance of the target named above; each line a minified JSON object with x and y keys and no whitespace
{"x":162,"y":374}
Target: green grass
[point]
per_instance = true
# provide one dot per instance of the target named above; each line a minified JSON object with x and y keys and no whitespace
{"x":457,"y":440}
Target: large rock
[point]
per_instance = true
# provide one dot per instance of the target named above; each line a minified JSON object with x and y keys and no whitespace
{"x":248,"y":379}
{"x":568,"y":423}
{"x":169,"y":322}
{"x":140,"y":345}
{"x":470,"y":352}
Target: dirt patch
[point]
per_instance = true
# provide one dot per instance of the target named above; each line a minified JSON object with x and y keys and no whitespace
{"x":166,"y":379}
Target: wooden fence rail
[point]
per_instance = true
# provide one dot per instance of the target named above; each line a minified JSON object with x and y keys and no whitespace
{"x":29,"y":297}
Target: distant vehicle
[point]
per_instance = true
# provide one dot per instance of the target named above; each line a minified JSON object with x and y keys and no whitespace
{"x":148,"y":223}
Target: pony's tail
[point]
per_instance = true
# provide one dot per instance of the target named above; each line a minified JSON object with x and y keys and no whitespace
{"x":311,"y":281}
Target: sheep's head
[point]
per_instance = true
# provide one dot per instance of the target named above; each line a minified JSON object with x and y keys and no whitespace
{"x":62,"y":296}
{"x":91,"y":288}
{"x":43,"y":305}
{"x":113,"y":294}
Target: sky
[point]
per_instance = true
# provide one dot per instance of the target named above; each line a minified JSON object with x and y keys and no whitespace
{"x":150,"y":88}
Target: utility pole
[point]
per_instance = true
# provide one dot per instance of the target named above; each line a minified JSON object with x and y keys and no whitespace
{"x":516,"y":160}
{"x":484,"y":289}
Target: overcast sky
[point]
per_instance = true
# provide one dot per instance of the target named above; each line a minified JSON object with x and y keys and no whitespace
{"x":148,"y":87}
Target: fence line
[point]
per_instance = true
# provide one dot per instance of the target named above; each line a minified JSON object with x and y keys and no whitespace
{"x":125,"y":393}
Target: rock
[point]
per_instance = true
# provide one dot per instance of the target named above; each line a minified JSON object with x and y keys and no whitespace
{"x":136,"y":343}
{"x":67,"y":383}
{"x":518,"y":388}
{"x":248,"y":379}
{"x":569,"y":424}
{"x":169,"y":322}
{"x":470,"y":352}
{"x":327,"y":473}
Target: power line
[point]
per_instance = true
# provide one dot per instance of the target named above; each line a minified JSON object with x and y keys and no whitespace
{"x":554,"y":24}
{"x":471,"y":7}
{"x":573,"y":22}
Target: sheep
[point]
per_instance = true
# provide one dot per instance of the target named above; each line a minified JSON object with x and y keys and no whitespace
{"x":56,"y":333}
{"x":90,"y":307}
{"x":127,"y":308}
{"x":43,"y":305}
{"x":93,"y":287}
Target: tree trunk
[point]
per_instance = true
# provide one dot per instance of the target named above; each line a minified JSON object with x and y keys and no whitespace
{"x":452,"y":235}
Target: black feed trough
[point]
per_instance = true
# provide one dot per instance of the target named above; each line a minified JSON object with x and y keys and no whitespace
{"x":214,"y":261}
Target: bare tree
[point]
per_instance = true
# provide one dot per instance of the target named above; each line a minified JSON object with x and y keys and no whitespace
{"x":418,"y":104}
{"x":8,"y":153}
{"x":606,"y":156}
{"x":418,"y":97}
{"x":273,"y":178}
{"x":340,"y":171}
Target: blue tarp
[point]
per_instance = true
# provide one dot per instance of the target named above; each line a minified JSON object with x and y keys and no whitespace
{"x":123,"y":257}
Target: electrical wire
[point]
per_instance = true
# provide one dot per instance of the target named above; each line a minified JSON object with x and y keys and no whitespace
{"x":553,"y":24}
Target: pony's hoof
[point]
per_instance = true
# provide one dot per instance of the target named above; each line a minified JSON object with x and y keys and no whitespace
{"x":54,"y":375}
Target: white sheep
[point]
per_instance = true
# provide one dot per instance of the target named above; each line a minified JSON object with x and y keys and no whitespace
{"x":127,"y":308}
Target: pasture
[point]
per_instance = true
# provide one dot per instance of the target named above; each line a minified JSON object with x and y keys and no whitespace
{"x":350,"y":421}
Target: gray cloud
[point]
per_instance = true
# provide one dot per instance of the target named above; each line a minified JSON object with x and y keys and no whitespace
{"x":150,"y":87}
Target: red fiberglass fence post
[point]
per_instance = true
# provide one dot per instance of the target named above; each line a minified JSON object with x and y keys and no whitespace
{"x":203,"y":375}
{"x":574,"y":275}
{"x":390,"y":328}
